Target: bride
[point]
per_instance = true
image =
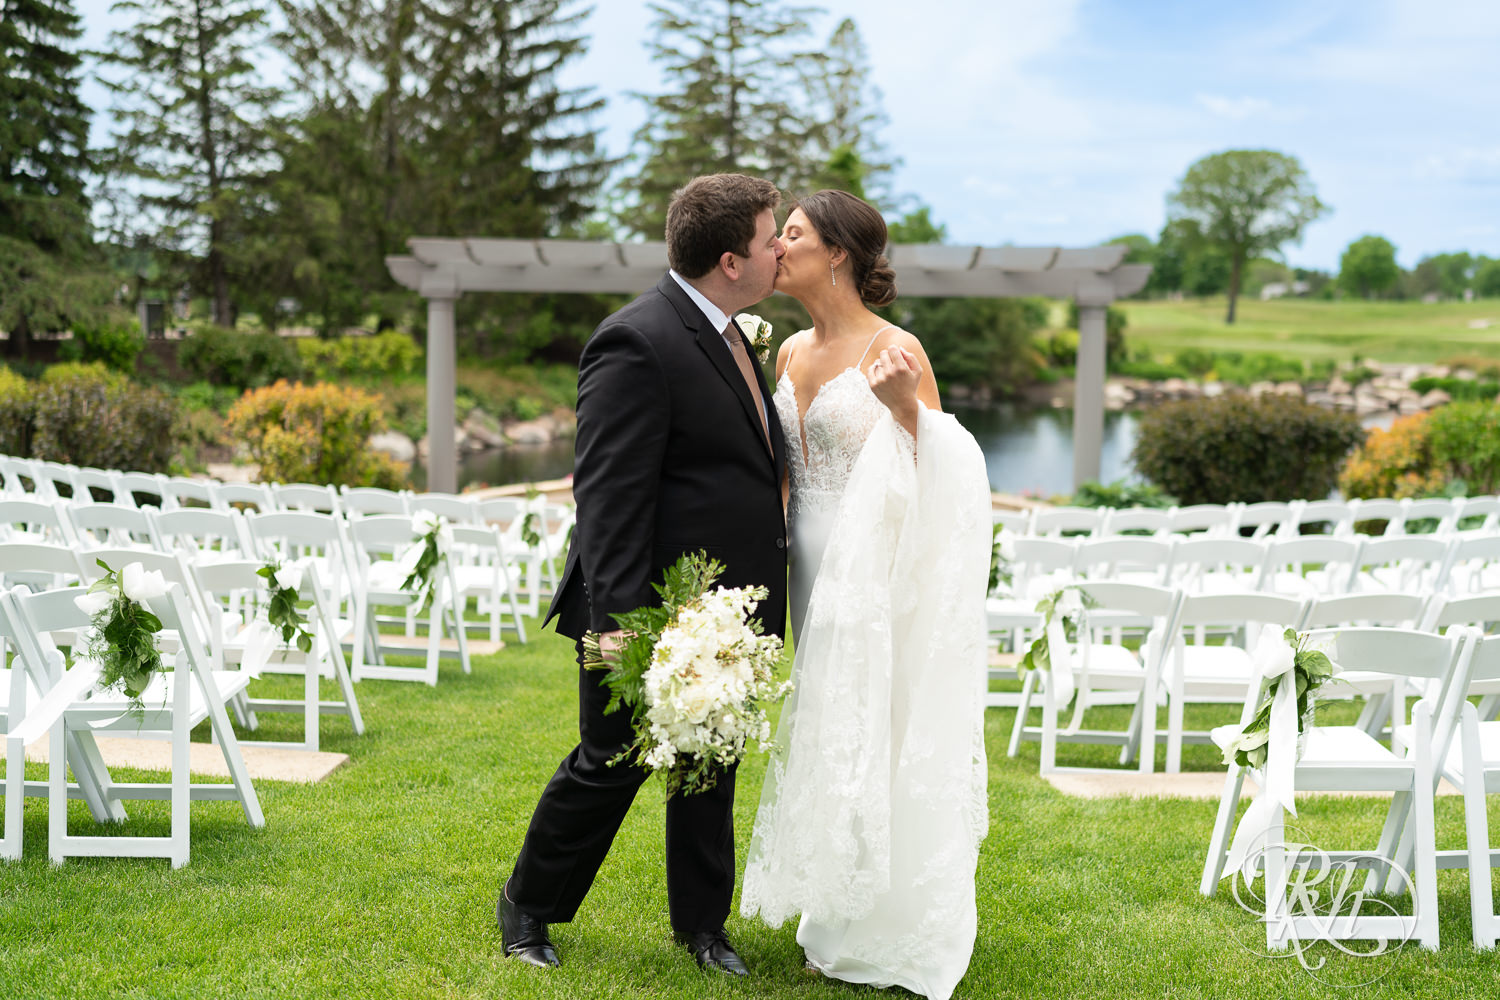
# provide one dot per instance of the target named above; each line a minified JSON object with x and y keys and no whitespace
{"x":873,"y":810}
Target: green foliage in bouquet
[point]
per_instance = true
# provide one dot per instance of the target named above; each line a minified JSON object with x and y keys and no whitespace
{"x":1310,"y":669}
{"x":282,"y":611}
{"x":124,"y":640}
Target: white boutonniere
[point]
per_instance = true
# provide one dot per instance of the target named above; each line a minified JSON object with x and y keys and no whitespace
{"x":758,"y":332}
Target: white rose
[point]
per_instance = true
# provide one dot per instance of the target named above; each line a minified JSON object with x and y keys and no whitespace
{"x":1007,"y":548}
{"x":142,"y":585}
{"x":1070,"y":604}
{"x":289,"y":576}
{"x":93,"y":603}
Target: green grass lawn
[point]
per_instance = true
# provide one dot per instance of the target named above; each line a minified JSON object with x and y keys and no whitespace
{"x":381,"y":881}
{"x":1313,"y":330}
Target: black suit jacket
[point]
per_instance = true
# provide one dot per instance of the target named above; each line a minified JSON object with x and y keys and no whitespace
{"x":669,"y":458}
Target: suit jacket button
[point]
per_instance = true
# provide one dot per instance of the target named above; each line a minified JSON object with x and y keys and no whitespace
{"x":781,"y":543}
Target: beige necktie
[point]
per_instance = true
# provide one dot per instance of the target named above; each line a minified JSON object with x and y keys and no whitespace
{"x":736,"y":345}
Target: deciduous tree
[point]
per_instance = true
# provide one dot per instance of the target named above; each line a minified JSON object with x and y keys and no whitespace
{"x":1247,"y":202}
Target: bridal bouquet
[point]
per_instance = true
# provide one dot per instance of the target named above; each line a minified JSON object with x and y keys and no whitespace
{"x":696,"y":674}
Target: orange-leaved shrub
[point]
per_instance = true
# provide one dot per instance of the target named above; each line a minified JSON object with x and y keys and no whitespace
{"x":1396,"y":462}
{"x":314,"y":434}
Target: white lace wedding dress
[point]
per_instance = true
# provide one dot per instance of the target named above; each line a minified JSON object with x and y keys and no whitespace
{"x":874,"y":808}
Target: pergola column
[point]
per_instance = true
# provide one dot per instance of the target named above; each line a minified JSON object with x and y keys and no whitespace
{"x":1088,"y":394}
{"x":442,"y":447}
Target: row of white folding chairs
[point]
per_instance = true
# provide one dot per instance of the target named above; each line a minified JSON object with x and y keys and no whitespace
{"x":224,"y":595}
{"x":1178,"y":665}
{"x":487,"y":568}
{"x":51,"y":696}
{"x":1286,"y":520}
{"x":1306,"y":564}
{"x":1446,"y":738}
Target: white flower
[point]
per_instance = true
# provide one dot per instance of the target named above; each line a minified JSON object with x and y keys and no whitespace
{"x":424,"y":521}
{"x":1070,"y":604}
{"x":142,"y":585}
{"x":93,"y":603}
{"x":288,"y":576}
{"x":758,"y":332}
{"x":1007,"y":548}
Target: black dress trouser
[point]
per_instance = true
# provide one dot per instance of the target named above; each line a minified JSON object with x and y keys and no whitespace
{"x":582,"y":808}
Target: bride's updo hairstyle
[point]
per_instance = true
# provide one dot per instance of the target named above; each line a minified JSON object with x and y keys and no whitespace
{"x":844,"y":222}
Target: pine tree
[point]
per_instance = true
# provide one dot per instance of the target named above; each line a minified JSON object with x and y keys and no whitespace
{"x":844,"y":148}
{"x":197,"y":125}
{"x":44,"y":164}
{"x":728,"y":63}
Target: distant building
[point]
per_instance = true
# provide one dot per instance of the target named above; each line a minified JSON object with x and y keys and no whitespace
{"x":1280,"y":289}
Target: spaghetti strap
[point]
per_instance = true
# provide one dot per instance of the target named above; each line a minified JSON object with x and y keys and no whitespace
{"x":888,"y":326}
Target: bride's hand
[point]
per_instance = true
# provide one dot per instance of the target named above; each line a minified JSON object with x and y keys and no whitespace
{"x":893,"y":379}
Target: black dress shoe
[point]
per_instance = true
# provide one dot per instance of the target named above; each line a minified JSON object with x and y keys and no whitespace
{"x":523,"y":936}
{"x":712,"y":950}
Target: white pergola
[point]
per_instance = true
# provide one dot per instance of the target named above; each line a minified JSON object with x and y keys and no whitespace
{"x":441,"y":270}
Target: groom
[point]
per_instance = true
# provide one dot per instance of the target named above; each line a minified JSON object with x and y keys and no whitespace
{"x":678,"y":449}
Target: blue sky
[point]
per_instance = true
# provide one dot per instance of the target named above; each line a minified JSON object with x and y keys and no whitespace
{"x":1065,"y":122}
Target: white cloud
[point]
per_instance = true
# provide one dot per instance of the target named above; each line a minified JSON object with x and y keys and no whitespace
{"x":1464,"y":165}
{"x":1236,"y":108}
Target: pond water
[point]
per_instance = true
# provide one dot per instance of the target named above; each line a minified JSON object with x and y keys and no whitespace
{"x":1026,"y":450}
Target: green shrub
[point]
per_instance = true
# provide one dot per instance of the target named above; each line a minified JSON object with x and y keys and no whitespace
{"x":1458,"y":389}
{"x":242,"y":360}
{"x":1156,"y":371}
{"x":114,"y":344}
{"x":1359,"y":375}
{"x":314,"y":434}
{"x":1465,"y":440}
{"x":1240,"y":449}
{"x":1121,"y":493}
{"x":87,"y":415}
{"x":1251,"y":368}
{"x":385,"y":354}
{"x":17,"y":414}
{"x":1195,"y":360}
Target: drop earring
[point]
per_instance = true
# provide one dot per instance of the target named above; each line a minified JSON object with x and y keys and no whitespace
{"x":832,"y":273}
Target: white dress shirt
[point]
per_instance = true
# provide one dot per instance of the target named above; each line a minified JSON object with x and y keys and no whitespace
{"x":720,"y":323}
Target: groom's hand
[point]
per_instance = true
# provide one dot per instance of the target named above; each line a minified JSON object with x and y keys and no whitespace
{"x":610,"y":643}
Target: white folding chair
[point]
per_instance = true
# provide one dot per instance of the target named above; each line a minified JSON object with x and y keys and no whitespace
{"x":1345,"y":758}
{"x":1106,"y":673}
{"x":1473,"y":565}
{"x":245,"y":496}
{"x":484,"y":572}
{"x":306,"y":496}
{"x":509,"y":514}
{"x":27,"y":519}
{"x":1430,"y":516}
{"x":1124,"y":559}
{"x":229,"y":586}
{"x":23,"y":680}
{"x":1328,"y":517}
{"x":1211,"y":519}
{"x":1392,"y":512}
{"x":1056,"y":522}
{"x":144,"y":489}
{"x":39,"y":565}
{"x":204,"y":535}
{"x":1472,"y":765}
{"x":1411,"y":564}
{"x":1219,"y":673}
{"x":1475,"y":516}
{"x":99,"y":486}
{"x":100,"y":525}
{"x":18,"y":477}
{"x":380,"y":541}
{"x":1309,"y":566}
{"x":1137,"y":521}
{"x":180,"y":491}
{"x":1267,"y":518}
{"x":1017,"y":522}
{"x":359,"y":500}
{"x":55,"y":481}
{"x":1204,"y":565}
{"x":457,"y":509}
{"x":1482,"y":613}
{"x":175,"y":701}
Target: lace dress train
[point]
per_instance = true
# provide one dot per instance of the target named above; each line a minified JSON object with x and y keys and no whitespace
{"x":872,"y":812}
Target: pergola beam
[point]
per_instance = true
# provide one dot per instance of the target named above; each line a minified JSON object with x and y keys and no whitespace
{"x":443,"y":269}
